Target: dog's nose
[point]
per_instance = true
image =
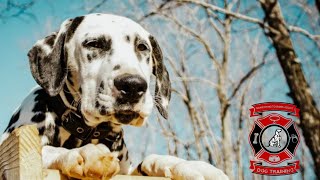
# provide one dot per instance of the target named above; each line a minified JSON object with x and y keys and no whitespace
{"x":132,"y":87}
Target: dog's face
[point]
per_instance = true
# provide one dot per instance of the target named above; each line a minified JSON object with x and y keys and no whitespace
{"x":108,"y":61}
{"x":278,"y":130}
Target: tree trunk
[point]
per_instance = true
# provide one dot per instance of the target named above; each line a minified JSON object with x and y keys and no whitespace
{"x":300,"y":91}
{"x":318,"y":5}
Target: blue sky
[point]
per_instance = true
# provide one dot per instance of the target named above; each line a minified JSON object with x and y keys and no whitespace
{"x":17,"y":37}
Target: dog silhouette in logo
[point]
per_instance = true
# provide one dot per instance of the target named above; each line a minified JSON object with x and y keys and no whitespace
{"x":275,"y":140}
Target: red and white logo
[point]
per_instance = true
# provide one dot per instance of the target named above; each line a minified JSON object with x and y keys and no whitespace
{"x":274,"y":139}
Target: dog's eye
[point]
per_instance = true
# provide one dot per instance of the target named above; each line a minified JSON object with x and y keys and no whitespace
{"x":100,"y":43}
{"x":94,"y":44}
{"x":142,"y":47}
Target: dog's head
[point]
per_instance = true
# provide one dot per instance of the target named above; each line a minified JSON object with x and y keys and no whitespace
{"x":107,"y":61}
{"x":278,"y":130}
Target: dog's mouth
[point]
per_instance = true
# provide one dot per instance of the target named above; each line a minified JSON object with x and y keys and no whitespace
{"x":125,"y":117}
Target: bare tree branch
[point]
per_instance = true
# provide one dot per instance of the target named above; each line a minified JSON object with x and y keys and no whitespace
{"x":97,"y":6}
{"x":250,"y":19}
{"x":12,"y":9}
{"x":198,"y":37}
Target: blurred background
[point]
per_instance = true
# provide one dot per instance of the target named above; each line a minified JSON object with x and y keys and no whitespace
{"x":222,"y":55}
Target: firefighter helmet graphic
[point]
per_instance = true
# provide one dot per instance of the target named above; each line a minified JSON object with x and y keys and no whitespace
{"x":274,"y":139}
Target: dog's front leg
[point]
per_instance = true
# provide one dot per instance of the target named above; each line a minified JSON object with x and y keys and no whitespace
{"x":90,"y":161}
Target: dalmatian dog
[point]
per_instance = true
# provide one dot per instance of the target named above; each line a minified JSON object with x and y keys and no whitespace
{"x":275,"y":140}
{"x":94,"y":76}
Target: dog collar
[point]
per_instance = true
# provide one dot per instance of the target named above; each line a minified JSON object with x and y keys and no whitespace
{"x":73,"y":122}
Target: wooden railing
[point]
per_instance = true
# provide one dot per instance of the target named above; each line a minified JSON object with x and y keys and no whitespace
{"x":20,"y":159}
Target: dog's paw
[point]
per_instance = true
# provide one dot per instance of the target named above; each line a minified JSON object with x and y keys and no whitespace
{"x":178,"y":169}
{"x":90,"y":161}
{"x":196,"y":170}
{"x":157,"y":165}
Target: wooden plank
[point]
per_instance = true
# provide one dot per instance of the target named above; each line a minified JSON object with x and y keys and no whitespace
{"x":50,"y":174}
{"x":53,"y":174}
{"x":124,"y":177}
{"x":20,"y":155}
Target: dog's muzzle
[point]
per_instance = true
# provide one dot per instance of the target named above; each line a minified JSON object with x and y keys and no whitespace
{"x":131,"y":88}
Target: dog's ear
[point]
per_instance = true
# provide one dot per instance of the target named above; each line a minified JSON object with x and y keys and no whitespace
{"x":163,"y":86}
{"x":48,"y":59}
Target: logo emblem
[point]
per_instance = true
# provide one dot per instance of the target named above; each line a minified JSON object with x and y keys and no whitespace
{"x":274,"y":139}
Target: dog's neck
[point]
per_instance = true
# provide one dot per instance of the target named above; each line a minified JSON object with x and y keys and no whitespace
{"x":73,"y":120}
{"x":71,"y":90}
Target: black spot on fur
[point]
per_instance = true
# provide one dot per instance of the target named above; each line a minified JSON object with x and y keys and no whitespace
{"x":45,"y":103}
{"x":73,"y":27}
{"x":41,"y":130}
{"x":140,"y":170}
{"x":120,"y":157}
{"x":49,"y":40}
{"x":71,"y":142}
{"x":97,"y":104}
{"x":57,"y":122}
{"x":148,"y":60}
{"x":127,"y":38}
{"x":14,"y":119}
{"x":103,"y":110}
{"x":101,"y":43}
{"x":10,"y":129}
{"x":89,"y":57}
{"x":38,"y":117}
{"x":116,"y":67}
{"x":102,"y":85}
{"x":107,"y":143}
{"x":66,"y":56}
{"x":136,"y":39}
{"x":108,"y":44}
{"x":165,"y":86}
{"x":119,"y":146}
{"x":56,"y":139}
{"x":67,"y":94}
{"x":127,"y":155}
{"x":69,"y":78}
{"x":41,"y":100}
